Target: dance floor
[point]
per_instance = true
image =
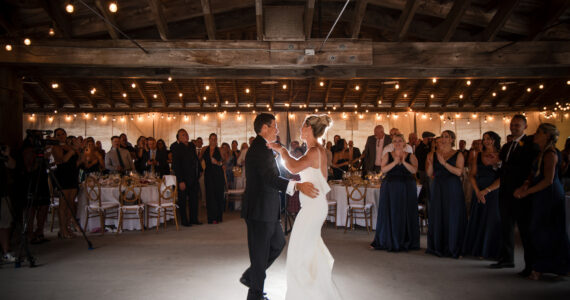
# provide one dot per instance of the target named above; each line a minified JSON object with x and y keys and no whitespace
{"x":205,"y":262}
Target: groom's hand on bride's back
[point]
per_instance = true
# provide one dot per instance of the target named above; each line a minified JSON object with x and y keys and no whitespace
{"x":307,"y":188}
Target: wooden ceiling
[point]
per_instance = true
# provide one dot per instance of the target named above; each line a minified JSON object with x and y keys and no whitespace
{"x":223,"y":45}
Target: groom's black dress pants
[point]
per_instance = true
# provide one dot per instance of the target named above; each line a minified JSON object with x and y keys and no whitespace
{"x":265,"y":242}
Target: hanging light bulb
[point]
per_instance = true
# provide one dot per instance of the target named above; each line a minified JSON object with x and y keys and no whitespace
{"x":284,"y":86}
{"x":357,"y":87}
{"x":461,"y":96}
{"x":468,"y":82}
{"x":69,"y":8}
{"x":321,"y":83}
{"x":405,"y":95}
{"x":397,"y":86}
{"x":494,"y":94}
{"x":54,"y":85}
{"x":124,"y":95}
{"x":434,"y":80}
{"x":504,"y":88}
{"x":180,"y":95}
{"x":8,"y":47}
{"x":247,"y":90}
{"x":541,"y":86}
{"x":113,"y":7}
{"x":529,"y":90}
{"x":133,"y":85}
{"x":207,"y":88}
{"x":51,"y":32}
{"x":27,"y":42}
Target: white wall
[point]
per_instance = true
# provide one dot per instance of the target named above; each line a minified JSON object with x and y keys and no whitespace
{"x":230,"y":127}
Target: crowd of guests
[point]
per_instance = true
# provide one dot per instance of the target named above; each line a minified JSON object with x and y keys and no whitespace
{"x":521,"y":181}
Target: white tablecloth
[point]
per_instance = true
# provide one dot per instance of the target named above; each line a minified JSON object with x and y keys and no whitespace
{"x":111,"y":194}
{"x":338,"y":193}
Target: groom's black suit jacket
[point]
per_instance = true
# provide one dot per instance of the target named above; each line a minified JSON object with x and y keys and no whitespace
{"x":263,"y":183}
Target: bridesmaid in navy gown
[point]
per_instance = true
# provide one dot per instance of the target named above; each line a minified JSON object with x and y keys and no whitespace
{"x":397,"y":226}
{"x":483,"y":236}
{"x":548,"y":232}
{"x":446,"y":210}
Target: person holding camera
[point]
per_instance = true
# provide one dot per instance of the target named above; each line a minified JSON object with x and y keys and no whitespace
{"x":6,"y":163}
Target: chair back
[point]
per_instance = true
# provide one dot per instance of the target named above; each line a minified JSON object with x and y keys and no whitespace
{"x":129,"y":191}
{"x":355,"y":193}
{"x":54,"y":196}
{"x":166,"y":192}
{"x":93,"y":191}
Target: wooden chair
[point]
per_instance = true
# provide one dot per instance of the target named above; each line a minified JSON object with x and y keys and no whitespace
{"x":332,"y":210}
{"x":130,"y":203}
{"x":233,"y":195}
{"x":53,"y":203}
{"x":166,"y":204}
{"x":95,"y":207}
{"x":358,"y":208}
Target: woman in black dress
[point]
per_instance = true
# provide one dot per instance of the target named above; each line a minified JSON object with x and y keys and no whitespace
{"x":67,"y":175}
{"x":214,"y":180}
{"x":447,"y":215}
{"x":397,"y":226}
{"x":548,"y":230}
{"x":91,"y":159}
{"x":341,"y":159}
{"x":140,"y":149}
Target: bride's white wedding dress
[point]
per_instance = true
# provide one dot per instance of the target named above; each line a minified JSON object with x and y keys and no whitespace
{"x":309,"y":262}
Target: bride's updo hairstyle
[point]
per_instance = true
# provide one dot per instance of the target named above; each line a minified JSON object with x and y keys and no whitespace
{"x":319,"y":124}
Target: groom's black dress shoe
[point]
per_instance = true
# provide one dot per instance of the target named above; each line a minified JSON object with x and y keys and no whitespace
{"x":502,"y":265}
{"x":245,"y":282}
{"x":525,"y":273}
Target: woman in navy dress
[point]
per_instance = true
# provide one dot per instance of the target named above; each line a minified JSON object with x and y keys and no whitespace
{"x":397,"y":227}
{"x":446,"y":209}
{"x":483,"y":236}
{"x":214,"y":180}
{"x":548,"y":232}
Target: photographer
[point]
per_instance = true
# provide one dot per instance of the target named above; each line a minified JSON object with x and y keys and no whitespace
{"x":36,"y":184}
{"x":6,"y":162}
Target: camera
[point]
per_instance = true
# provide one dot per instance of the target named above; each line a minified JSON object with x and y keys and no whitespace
{"x":37,"y":140}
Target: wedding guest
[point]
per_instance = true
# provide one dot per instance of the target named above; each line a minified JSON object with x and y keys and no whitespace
{"x":214,"y":180}
{"x":240,"y":181}
{"x":251,"y":140}
{"x":334,"y":149}
{"x":354,"y":154}
{"x":186,"y":168}
{"x":421,"y":154}
{"x":462,"y":149}
{"x":390,"y":147}
{"x":5,"y":204}
{"x":565,"y":166}
{"x":516,"y":158}
{"x":372,"y":155}
{"x":118,"y":159}
{"x":483,"y":235}
{"x":155,"y":160}
{"x":397,"y":226}
{"x":413,"y":141}
{"x":67,"y":175}
{"x":447,"y":216}
{"x":328,"y":149}
{"x":100,"y":149}
{"x":91,"y":161}
{"x":548,"y":231}
{"x":140,"y":149}
{"x":341,"y":159}
{"x":126,"y":145}
{"x":201,"y":182}
{"x":228,"y":164}
{"x":235,"y":151}
{"x":509,"y":138}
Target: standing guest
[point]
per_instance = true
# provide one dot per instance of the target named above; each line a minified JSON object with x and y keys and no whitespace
{"x":328,"y":149}
{"x":186,"y":168}
{"x":118,"y":159}
{"x":462,"y":149}
{"x":100,"y":149}
{"x":565,"y":166}
{"x":341,"y":159}
{"x":235,"y":151}
{"x":336,"y":138}
{"x":548,"y":231}
{"x":126,"y":145}
{"x":516,"y":158}
{"x":355,"y":154}
{"x":447,"y":216}
{"x":214,"y":180}
{"x":91,"y":161}
{"x":390,"y":147}
{"x":421,"y":154}
{"x":413,"y":141}
{"x":8,"y":163}
{"x":251,"y":140}
{"x":155,"y":160}
{"x":372,"y":155}
{"x":483,"y":236}
{"x":228,"y":164}
{"x":397,"y":226}
{"x":509,"y":138}
{"x":240,"y":181}
{"x":201,"y":182}
{"x":140,"y":149}
{"x":67,"y":175}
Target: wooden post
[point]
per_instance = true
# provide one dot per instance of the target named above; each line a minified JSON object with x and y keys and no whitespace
{"x":11,"y":109}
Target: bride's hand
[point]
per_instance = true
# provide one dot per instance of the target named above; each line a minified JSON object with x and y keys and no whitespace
{"x":275,"y":147}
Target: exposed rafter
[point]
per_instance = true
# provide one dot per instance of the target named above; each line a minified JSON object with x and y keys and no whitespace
{"x":493,"y":87}
{"x":346,"y":88}
{"x":67,"y":92}
{"x":380,"y":94}
{"x":236,"y":98}
{"x":217,"y":93}
{"x":33,"y":95}
{"x":419,"y":87}
{"x":452,"y":92}
{"x":105,"y":13}
{"x":54,"y":9}
{"x":51,"y":95}
{"x":162,"y":95}
{"x":447,"y":28}
{"x":123,"y":89}
{"x":359,"y":13}
{"x":196,"y":90}
{"x":469,"y":92}
{"x":308,"y":99}
{"x":499,"y":19}
{"x":398,"y":93}
{"x":209,"y":19}
{"x":139,"y":89}
{"x":329,"y":83}
{"x":363,"y":94}
{"x":259,"y":19}
{"x":550,"y":14}
{"x":309,"y":13}
{"x":159,"y":18}
{"x":406,"y":19}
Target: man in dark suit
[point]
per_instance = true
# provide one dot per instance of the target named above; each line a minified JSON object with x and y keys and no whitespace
{"x":155,"y":160}
{"x":517,"y":157}
{"x":261,"y":205}
{"x":372,"y":156}
{"x":186,"y":168}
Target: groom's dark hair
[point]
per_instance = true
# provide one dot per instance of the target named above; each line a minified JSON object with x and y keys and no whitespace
{"x":262,"y":119}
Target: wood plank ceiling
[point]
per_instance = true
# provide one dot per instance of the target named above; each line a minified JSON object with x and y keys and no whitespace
{"x":386,"y":24}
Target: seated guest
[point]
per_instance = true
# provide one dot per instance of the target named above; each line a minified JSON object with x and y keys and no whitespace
{"x":91,"y":160}
{"x":118,"y":159}
{"x":397,"y":226}
{"x":483,"y":236}
{"x":155,"y":160}
{"x":140,"y":149}
{"x":447,"y":216}
{"x":548,"y":231}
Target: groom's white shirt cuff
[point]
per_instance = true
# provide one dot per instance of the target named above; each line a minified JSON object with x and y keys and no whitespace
{"x":291,"y":188}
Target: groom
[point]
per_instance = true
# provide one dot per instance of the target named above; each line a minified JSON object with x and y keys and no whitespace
{"x":261,"y":205}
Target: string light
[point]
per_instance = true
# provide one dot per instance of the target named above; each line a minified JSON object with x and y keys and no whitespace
{"x":434,"y":80}
{"x":284,"y":86}
{"x":247,"y":90}
{"x":207,"y":88}
{"x":457,"y":115}
{"x":69,"y":8}
{"x":504,"y":88}
{"x":357,"y":87}
{"x":432,"y":96}
{"x":529,"y":90}
{"x":51,"y":32}
{"x":155,"y":96}
{"x":113,"y":7}
{"x":8,"y":47}
{"x":461,"y":96}
{"x":169,"y":78}
{"x":468,"y":82}
{"x":180,"y":95}
{"x":133,"y":85}
{"x":27,"y":42}
{"x":323,"y":84}
{"x":474,"y":116}
{"x":124,"y":95}
{"x":494,"y":94}
{"x":397,"y":86}
{"x":93,"y":90}
{"x":541,"y":86}
{"x":405,"y":95}
{"x":54,"y":85}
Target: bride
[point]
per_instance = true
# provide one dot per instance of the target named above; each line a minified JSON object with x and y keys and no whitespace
{"x":309,"y":262}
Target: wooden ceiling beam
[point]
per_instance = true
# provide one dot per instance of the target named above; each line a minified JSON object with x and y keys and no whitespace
{"x":308,"y":99}
{"x":121,"y":86}
{"x":56,"y":12}
{"x":419,"y":87}
{"x":162,"y":95}
{"x":309,"y":13}
{"x":551,"y":13}
{"x":159,"y":18}
{"x":254,"y":94}
{"x":329,"y":83}
{"x":209,"y":19}
{"x":406,"y":19}
{"x":67,"y":92}
{"x":291,"y":92}
{"x":493,"y":87}
{"x":452,"y":92}
{"x":236,"y":98}
{"x":359,"y":13}
{"x":33,"y":95}
{"x":502,"y":95}
{"x":47,"y":90}
{"x":447,"y":28}
{"x":469,"y":92}
{"x":259,"y":19}
{"x":110,"y":17}
{"x":139,"y":89}
{"x":499,"y":19}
